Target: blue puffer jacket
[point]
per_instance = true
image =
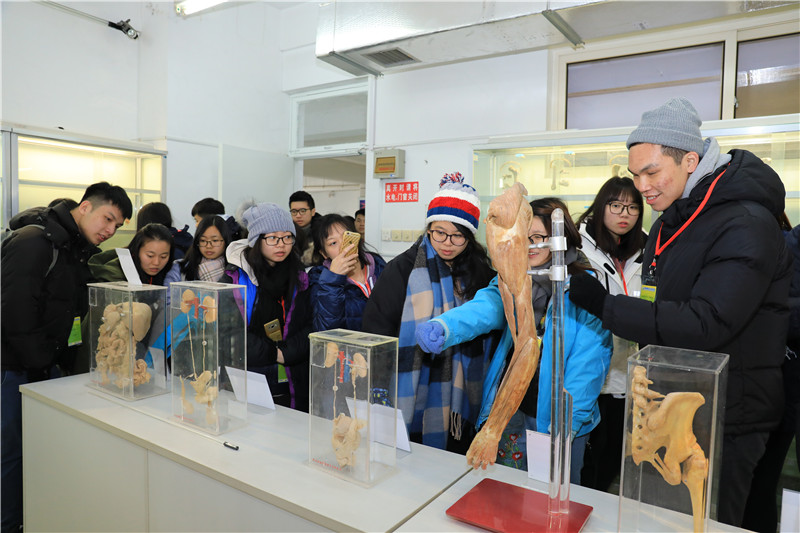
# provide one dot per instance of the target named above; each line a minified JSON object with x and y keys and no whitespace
{"x":587,"y":353}
{"x":337,"y":301}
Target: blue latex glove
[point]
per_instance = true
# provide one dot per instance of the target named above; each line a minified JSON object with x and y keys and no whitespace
{"x":430,"y":337}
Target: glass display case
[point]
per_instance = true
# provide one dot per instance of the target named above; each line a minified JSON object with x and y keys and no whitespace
{"x":353,"y":418}
{"x":41,"y":166}
{"x":209,"y":355}
{"x":125,"y":322}
{"x":674,"y":413}
{"x":573,"y":165}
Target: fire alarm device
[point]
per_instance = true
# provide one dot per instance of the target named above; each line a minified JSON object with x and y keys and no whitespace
{"x":390,"y":164}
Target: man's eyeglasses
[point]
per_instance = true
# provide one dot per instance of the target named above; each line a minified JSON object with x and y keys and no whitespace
{"x":456,"y":239}
{"x":272,"y":240}
{"x":202,"y":243}
{"x":537,"y":238}
{"x":616,"y":208}
{"x":302,"y":211}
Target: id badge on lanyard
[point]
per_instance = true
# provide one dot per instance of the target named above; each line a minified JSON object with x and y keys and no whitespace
{"x":649,"y":283}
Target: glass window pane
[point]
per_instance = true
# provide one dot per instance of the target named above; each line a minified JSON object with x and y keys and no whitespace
{"x":768,"y":77}
{"x":615,"y":92}
{"x":151,"y":173}
{"x":338,"y":119}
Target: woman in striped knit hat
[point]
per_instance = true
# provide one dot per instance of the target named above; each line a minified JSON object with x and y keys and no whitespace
{"x":439,"y":395}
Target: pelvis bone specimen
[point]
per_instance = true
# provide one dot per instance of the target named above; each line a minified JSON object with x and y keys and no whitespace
{"x":507,"y":225}
{"x":122,"y":323}
{"x":205,"y":392}
{"x":666,"y":422}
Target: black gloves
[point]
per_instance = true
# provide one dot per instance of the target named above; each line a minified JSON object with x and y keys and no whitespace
{"x":587,"y":292}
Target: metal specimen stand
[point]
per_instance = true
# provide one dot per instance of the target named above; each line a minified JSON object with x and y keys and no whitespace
{"x":560,"y":399}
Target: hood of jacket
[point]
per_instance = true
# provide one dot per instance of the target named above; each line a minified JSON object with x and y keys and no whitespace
{"x":59,"y":227}
{"x":746,"y":178}
{"x":235,"y":256}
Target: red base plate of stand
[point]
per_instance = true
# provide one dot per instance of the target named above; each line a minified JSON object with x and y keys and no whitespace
{"x":501,"y":507}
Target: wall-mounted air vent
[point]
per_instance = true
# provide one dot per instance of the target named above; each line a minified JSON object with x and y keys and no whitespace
{"x":391,"y":58}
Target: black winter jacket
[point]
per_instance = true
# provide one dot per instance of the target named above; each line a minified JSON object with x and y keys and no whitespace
{"x":38,"y":308}
{"x":723,"y":286}
{"x":384,"y":310}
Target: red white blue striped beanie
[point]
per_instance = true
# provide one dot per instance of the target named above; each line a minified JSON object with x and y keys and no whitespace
{"x":455,"y":202}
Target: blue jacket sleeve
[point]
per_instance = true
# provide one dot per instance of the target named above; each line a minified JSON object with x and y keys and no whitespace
{"x":480,"y":315}
{"x":328,"y":298}
{"x":173,"y":275}
{"x":587,"y":355}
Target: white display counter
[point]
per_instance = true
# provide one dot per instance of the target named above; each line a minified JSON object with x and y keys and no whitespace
{"x":603,"y":518}
{"x":96,"y":463}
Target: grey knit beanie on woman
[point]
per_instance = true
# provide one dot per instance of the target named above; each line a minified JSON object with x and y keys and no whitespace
{"x":675,"y":124}
{"x":266,"y":218}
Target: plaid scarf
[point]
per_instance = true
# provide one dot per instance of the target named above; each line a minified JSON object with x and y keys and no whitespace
{"x":435,"y":392}
{"x":211,"y":269}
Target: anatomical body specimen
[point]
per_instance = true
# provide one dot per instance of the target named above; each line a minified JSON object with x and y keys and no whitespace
{"x":507,"y":226}
{"x":346,"y":436}
{"x":122,"y":324}
{"x":205,"y":392}
{"x":666,"y":422}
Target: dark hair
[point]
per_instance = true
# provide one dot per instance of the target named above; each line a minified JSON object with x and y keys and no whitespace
{"x":208,"y":206}
{"x":675,"y":153}
{"x":543,"y":208}
{"x":261,"y":268}
{"x":193,"y":256}
{"x":105,"y":193}
{"x":615,"y":189}
{"x":360,"y":212}
{"x":302,"y":196}
{"x":321,"y":231}
{"x":70,"y":203}
{"x":472,"y":266}
{"x":152,"y":232}
{"x":154,"y":212}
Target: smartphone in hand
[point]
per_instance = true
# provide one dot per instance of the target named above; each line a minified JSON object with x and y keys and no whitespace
{"x":348,"y":238}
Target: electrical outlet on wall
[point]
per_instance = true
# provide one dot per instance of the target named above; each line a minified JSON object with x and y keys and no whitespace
{"x":397,"y":235}
{"x":386,"y":235}
{"x":408,"y":235}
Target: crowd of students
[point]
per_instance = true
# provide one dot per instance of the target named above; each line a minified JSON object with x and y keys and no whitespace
{"x":440,"y":297}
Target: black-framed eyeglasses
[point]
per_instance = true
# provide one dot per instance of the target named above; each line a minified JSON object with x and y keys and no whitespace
{"x":301,"y":211}
{"x":537,"y":238}
{"x":616,"y":208}
{"x":456,"y":239}
{"x":272,"y":240}
{"x":202,"y":243}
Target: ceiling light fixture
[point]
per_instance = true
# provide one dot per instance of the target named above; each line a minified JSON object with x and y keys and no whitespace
{"x":562,"y":26}
{"x":190,"y":7}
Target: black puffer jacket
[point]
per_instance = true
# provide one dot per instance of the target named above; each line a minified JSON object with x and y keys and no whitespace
{"x":722,"y":287}
{"x":38,"y":308}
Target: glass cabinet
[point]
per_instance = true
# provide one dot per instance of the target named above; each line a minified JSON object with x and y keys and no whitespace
{"x":39,"y":167}
{"x":573,"y":165}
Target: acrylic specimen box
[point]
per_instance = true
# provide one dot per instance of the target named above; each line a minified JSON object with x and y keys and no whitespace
{"x":208,"y":355}
{"x":353,"y":415}
{"x":674,"y":413}
{"x":125,"y":322}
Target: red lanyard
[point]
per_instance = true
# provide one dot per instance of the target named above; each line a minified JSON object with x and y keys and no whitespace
{"x":365,"y":288}
{"x":620,"y":266}
{"x":659,"y":247}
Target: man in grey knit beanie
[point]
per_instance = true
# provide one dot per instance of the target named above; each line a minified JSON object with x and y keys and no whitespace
{"x":715,"y":278}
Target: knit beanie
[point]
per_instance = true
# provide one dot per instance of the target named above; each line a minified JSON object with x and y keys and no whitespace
{"x":266,"y":218}
{"x":675,"y":124}
{"x":455,"y":202}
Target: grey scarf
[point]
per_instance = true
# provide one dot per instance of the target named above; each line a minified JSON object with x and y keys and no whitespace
{"x":711,"y":159}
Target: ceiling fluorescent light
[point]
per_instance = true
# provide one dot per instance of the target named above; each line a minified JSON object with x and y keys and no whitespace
{"x":562,"y":26}
{"x":189,"y":7}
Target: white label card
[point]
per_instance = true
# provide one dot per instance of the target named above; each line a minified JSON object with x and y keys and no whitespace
{"x":382,"y":424}
{"x":790,"y":511}
{"x":255,"y":384}
{"x":538,"y":449}
{"x":128,"y":268}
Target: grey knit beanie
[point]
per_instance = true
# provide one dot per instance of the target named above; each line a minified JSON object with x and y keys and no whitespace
{"x":266,"y":218}
{"x":675,"y":124}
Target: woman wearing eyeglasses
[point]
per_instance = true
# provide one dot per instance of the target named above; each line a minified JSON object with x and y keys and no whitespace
{"x":278,"y":307}
{"x":439,"y":396}
{"x":205,"y":259}
{"x":613,"y":241}
{"x":587,"y":346}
